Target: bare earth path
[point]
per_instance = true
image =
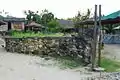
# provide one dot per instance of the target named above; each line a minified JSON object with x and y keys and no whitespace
{"x":23,"y":67}
{"x":112,"y":51}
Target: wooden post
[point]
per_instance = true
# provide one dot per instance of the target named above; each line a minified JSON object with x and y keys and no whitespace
{"x":99,"y":43}
{"x":94,"y":39}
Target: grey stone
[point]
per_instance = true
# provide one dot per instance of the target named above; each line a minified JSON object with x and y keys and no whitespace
{"x":99,"y":69}
{"x":63,"y":46}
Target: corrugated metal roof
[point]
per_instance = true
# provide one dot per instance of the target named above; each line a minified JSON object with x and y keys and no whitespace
{"x":112,"y":15}
{"x":14,"y":19}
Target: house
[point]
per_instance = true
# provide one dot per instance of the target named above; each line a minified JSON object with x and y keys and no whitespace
{"x":13,"y":23}
{"x":109,"y":21}
{"x":2,"y":23}
{"x":67,"y":25}
{"x":3,"y":26}
{"x":34,"y":26}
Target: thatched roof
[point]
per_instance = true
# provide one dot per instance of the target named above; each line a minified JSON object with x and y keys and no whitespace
{"x":33,"y":24}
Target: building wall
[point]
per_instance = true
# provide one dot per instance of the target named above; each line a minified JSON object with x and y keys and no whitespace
{"x":4,"y":27}
{"x":17,"y":25}
{"x":23,"y":27}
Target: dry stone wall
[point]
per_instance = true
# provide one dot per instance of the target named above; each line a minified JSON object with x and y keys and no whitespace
{"x":63,"y":46}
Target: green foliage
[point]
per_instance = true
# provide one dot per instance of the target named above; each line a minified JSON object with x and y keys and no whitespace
{"x":110,"y":65}
{"x":19,"y":34}
{"x":37,"y":18}
{"x":109,"y":29}
{"x":68,"y":62}
{"x":42,"y":18}
{"x":45,"y":18}
{"x":53,"y":26}
{"x":53,"y":23}
{"x":48,"y":20}
{"x":32,"y":16}
{"x":81,"y":17}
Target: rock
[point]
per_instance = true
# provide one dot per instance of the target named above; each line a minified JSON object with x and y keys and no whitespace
{"x":99,"y":69}
{"x":71,"y":46}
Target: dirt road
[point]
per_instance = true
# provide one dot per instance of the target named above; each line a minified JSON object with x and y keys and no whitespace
{"x":24,"y":67}
{"x":112,"y":51}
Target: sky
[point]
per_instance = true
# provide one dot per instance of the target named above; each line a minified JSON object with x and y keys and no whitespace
{"x":60,"y":8}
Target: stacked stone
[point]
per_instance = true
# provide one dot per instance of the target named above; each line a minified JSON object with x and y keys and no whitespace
{"x":64,"y":46}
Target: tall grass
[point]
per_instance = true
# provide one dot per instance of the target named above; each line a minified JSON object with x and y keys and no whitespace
{"x":20,"y":34}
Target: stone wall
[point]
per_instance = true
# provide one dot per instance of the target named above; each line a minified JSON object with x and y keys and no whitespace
{"x":52,"y":46}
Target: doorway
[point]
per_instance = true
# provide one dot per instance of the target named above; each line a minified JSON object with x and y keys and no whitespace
{"x":9,"y":26}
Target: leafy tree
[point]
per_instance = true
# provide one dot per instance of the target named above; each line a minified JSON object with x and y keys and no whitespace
{"x":28,"y":15}
{"x":46,"y":18}
{"x":32,"y":16}
{"x":53,"y":25}
{"x":81,"y":17}
{"x":42,"y":18}
{"x":37,"y":18}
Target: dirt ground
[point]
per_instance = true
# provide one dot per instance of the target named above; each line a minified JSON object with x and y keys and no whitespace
{"x":14,"y":66}
{"x":112,"y":51}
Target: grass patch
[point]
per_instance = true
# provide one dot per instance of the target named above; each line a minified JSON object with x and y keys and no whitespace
{"x":20,"y":34}
{"x":68,"y":62}
{"x":110,"y":65}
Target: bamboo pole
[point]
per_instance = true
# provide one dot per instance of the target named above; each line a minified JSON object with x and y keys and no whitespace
{"x":99,"y":43}
{"x":94,"y":39}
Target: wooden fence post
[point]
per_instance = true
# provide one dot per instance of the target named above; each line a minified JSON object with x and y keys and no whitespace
{"x":99,"y":43}
{"x":94,"y":39}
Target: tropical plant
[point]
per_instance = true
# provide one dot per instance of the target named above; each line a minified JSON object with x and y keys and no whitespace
{"x":109,"y":29}
{"x":46,"y":17}
{"x":32,"y":16}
